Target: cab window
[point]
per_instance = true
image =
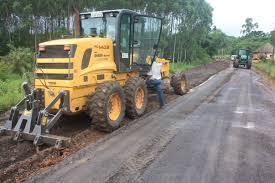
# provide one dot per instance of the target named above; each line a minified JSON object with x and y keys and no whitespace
{"x":86,"y":59}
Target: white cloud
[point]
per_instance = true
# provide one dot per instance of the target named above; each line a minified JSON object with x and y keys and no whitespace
{"x":229,"y":15}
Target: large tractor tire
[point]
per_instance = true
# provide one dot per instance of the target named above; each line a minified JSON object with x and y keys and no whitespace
{"x":248,"y":66}
{"x":236,"y":64}
{"x":179,"y":84}
{"x":136,"y":97}
{"x":106,"y":106}
{"x":166,"y":83}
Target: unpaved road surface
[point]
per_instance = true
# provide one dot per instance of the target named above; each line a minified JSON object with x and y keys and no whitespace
{"x":20,"y":160}
{"x":222,"y":131}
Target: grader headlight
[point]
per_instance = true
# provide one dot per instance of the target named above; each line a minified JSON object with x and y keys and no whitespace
{"x":42,"y":48}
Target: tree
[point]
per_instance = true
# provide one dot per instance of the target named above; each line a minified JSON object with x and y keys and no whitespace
{"x":215,"y":41}
{"x":249,"y":26}
{"x":19,"y":59}
{"x":25,"y":23}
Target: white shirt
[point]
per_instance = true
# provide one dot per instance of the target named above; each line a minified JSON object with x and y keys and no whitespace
{"x":155,"y":71}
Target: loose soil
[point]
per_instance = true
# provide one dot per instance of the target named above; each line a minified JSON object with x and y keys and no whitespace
{"x":20,"y":160}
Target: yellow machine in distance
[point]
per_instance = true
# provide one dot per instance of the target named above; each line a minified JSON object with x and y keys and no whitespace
{"x":101,"y":73}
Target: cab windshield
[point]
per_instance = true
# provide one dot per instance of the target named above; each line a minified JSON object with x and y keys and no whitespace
{"x":243,"y":52}
{"x":103,"y":25}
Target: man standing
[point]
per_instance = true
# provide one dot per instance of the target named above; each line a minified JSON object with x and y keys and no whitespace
{"x":155,"y":80}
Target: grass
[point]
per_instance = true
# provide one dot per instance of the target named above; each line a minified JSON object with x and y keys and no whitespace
{"x":10,"y":93}
{"x":182,"y":67}
{"x":266,"y":67}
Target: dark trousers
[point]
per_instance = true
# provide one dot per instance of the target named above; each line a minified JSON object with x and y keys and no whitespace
{"x":157,"y":84}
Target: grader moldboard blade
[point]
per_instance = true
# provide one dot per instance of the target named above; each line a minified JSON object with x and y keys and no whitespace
{"x":34,"y":123}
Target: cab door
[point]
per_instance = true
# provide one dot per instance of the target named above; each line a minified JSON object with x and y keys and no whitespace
{"x":125,"y":42}
{"x":146,"y":38}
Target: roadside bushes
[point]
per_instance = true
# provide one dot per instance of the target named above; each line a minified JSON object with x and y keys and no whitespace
{"x":19,"y":60}
{"x":180,"y":67}
{"x":10,"y":93}
{"x":266,"y":67}
{"x":5,"y":71}
{"x":201,"y":58}
{"x":13,"y":67}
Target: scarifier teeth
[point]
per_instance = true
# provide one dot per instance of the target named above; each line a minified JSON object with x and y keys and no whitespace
{"x":17,"y":136}
{"x":37,"y":140}
{"x":58,"y":144}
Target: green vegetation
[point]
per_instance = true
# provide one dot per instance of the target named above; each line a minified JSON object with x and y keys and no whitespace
{"x":13,"y":67}
{"x":267,"y":67}
{"x":183,"y":66}
{"x":219,"y":44}
{"x":180,"y":67}
{"x":252,"y":38}
{"x":251,"y":42}
{"x":25,"y":23}
{"x":10,"y":93}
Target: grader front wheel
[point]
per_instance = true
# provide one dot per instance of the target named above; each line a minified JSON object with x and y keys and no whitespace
{"x":166,"y":82}
{"x":114,"y":107}
{"x":106,"y":106}
{"x":179,"y":84}
{"x":136,"y":97}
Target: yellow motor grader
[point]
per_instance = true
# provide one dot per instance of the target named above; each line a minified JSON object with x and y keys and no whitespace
{"x":102,"y":73}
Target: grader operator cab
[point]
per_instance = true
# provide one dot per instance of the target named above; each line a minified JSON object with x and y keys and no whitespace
{"x":101,"y":73}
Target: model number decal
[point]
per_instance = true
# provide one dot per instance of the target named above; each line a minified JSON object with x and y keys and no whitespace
{"x":98,"y":55}
{"x":102,"y":46}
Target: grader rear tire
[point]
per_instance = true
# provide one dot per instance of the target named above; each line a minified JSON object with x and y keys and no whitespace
{"x":248,"y":66}
{"x":106,"y":106}
{"x":179,"y":84}
{"x":136,"y":97}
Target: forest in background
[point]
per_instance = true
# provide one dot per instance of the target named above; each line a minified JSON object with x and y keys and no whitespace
{"x":188,"y":36}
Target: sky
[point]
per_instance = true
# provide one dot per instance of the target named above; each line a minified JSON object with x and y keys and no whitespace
{"x":230,"y":15}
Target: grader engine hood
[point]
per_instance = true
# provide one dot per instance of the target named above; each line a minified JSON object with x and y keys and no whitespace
{"x":61,"y":62}
{"x":72,"y":64}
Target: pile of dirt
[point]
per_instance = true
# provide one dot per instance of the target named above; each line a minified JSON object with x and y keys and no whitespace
{"x":200,"y":74}
{"x":20,"y":160}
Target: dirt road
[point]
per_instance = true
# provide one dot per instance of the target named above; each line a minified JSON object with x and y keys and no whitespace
{"x":20,"y":160}
{"x":222,"y":131}
{"x":230,"y":138}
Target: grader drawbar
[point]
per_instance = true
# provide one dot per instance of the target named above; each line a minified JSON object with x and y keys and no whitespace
{"x":30,"y":120}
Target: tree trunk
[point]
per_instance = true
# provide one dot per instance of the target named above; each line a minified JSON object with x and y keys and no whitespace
{"x":76,"y":22}
{"x":68,"y":20}
{"x":52,"y":27}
